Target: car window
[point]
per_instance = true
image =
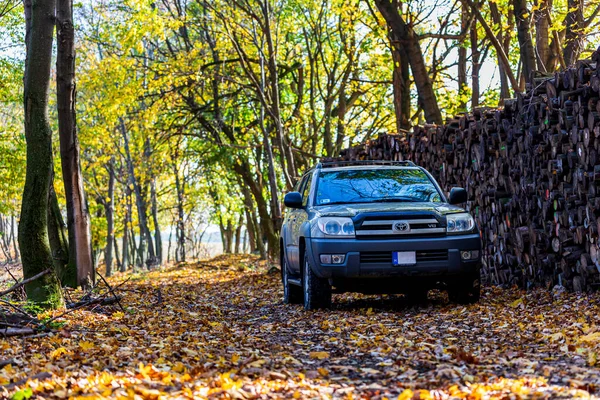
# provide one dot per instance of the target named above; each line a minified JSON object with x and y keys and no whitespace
{"x":298,"y":184}
{"x":375,"y":185}
{"x":306,"y":190}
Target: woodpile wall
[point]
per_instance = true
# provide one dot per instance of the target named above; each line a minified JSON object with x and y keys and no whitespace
{"x":532,"y":172}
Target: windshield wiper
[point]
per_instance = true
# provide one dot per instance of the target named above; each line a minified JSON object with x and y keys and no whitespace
{"x":396,"y":200}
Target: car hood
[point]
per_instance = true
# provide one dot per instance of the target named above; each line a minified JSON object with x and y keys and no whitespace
{"x":351,"y":210}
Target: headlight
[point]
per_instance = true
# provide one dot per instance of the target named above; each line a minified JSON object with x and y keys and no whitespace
{"x":334,"y":227}
{"x":457,"y":223}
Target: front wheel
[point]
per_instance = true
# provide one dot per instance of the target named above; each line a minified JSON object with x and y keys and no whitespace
{"x":466,"y":289}
{"x":292,"y":294}
{"x":317,"y":291}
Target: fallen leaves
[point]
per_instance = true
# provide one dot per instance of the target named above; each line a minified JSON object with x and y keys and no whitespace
{"x":221,"y":332}
{"x":319,"y":355}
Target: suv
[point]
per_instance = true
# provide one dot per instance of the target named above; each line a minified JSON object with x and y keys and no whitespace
{"x":374,"y":228}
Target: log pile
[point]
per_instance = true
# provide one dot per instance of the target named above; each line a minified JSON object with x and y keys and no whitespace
{"x":532,"y":172}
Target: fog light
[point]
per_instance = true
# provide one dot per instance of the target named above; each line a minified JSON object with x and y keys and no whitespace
{"x":325,"y":258}
{"x":338,"y":258}
{"x":465,"y":255}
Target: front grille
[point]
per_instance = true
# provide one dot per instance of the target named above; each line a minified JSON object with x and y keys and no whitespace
{"x":380,"y":257}
{"x":394,"y":226}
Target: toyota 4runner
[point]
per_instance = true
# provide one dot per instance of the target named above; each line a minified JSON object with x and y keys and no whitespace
{"x":376,"y":228}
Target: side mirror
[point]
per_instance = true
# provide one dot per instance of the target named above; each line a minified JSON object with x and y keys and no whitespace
{"x":457,"y":195}
{"x":293,"y":200}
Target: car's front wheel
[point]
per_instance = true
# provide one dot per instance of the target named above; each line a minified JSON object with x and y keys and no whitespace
{"x":466,"y":289}
{"x":317,"y":291}
{"x":292,"y":294}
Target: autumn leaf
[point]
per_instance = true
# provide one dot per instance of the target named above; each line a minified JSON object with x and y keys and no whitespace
{"x":593,"y":337}
{"x":319,"y":355}
{"x":85,"y":346}
{"x":55,"y":354}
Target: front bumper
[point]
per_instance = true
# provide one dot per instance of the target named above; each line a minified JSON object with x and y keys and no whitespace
{"x":354,"y":268}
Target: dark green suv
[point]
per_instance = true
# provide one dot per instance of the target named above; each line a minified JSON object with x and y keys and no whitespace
{"x":375,"y":228}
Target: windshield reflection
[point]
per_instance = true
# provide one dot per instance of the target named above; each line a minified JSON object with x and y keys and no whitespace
{"x":375,"y":185}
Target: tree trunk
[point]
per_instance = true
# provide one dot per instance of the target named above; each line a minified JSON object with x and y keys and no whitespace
{"x":116,"y":247}
{"x":59,"y":244}
{"x":275,"y":205}
{"x":157,"y":234}
{"x":266,"y":223}
{"x":401,"y":87}
{"x":524,"y":35}
{"x":251,"y":227}
{"x":78,"y":217}
{"x":541,"y":16}
{"x":126,"y":222}
{"x":574,"y":35}
{"x":404,"y":35}
{"x":504,"y":41}
{"x":33,"y":225}
{"x":140,"y":204}
{"x":284,"y":144}
{"x":109,"y":209}
{"x":462,"y":59}
{"x":13,"y":234}
{"x":499,"y":47}
{"x":475,"y":66}
{"x":238,"y":234}
{"x":180,"y":229}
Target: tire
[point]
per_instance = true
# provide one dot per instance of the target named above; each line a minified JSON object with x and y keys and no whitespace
{"x":292,"y":294}
{"x":466,"y":289}
{"x":317,"y":291}
{"x":417,"y":296}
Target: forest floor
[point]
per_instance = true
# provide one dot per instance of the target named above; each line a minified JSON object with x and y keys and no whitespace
{"x":218,"y":329}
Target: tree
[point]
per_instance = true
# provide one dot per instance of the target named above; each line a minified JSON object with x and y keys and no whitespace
{"x":33,"y":225}
{"x":523,"y":18}
{"x":407,"y":44}
{"x":78,"y":217}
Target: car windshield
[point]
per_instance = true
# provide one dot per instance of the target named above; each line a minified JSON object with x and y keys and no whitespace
{"x":375,"y":185}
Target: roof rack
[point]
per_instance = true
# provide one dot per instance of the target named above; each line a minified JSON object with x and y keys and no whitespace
{"x":333,"y":164}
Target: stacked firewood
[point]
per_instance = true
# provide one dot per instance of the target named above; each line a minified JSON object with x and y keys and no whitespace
{"x":532,"y":172}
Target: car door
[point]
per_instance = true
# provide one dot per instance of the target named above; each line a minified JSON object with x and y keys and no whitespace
{"x":290,"y":241}
{"x":299,"y":218}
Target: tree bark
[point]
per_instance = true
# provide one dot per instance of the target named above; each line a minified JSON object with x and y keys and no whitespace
{"x":109,"y":209}
{"x":238,"y":234}
{"x":180,"y":228}
{"x":541,"y":16}
{"x":59,"y":244}
{"x":13,"y":234}
{"x":126,"y":222}
{"x":574,"y":35}
{"x":117,"y":259}
{"x":524,"y":35}
{"x":475,"y":66}
{"x":401,"y":87}
{"x":78,"y":217}
{"x":33,"y":225}
{"x":462,"y":58}
{"x":404,"y":35}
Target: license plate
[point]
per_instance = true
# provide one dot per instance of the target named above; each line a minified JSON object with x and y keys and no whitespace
{"x":404,"y":258}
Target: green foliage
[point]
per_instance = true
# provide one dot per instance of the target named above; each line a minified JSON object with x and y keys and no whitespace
{"x":22,"y":394}
{"x":188,"y":85}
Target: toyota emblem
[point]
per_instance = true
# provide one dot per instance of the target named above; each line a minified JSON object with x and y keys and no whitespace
{"x":401,"y":226}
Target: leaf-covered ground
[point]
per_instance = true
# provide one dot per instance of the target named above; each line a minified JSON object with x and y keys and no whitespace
{"x":219,"y":329}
